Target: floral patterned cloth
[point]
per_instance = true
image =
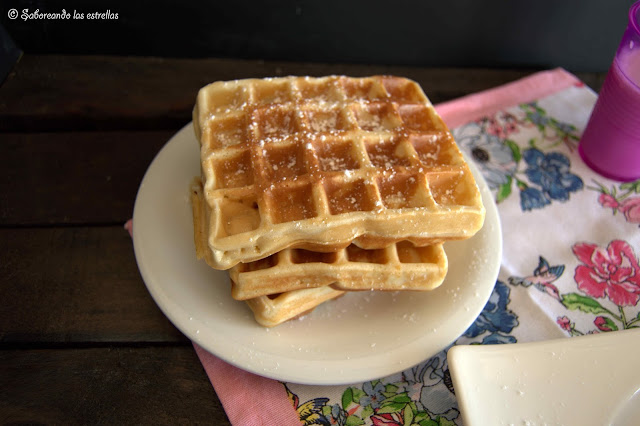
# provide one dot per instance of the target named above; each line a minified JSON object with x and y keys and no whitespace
{"x":570,"y":258}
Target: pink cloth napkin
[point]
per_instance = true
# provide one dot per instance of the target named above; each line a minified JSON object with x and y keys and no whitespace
{"x":471,"y":107}
{"x":249,"y":399}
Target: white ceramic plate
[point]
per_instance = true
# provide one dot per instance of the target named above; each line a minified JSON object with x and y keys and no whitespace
{"x":586,"y":380}
{"x":358,"y":337}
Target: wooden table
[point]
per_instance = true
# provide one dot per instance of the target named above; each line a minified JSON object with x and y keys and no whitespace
{"x":81,"y":339}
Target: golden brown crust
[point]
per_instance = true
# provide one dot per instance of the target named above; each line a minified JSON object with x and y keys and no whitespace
{"x":320,"y":163}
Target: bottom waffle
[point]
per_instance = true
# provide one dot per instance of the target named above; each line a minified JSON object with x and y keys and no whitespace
{"x":272,"y":310}
{"x":401,"y":266}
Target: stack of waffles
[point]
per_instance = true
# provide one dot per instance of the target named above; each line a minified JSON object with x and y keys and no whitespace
{"x":313,"y":187}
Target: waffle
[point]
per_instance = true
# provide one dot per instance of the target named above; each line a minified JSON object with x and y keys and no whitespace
{"x":321,"y":163}
{"x":272,"y":310}
{"x":295,"y":281}
{"x":401,"y":266}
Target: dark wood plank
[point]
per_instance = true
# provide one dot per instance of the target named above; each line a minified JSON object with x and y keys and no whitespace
{"x":46,"y":93}
{"x":107,"y":386}
{"x":73,"y":178}
{"x":75,"y":284}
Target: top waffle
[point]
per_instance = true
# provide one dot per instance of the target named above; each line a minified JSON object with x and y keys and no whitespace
{"x":319,"y":163}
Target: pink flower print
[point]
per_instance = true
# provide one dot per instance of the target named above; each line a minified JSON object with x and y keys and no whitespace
{"x":631,"y":209}
{"x":504,"y":129}
{"x":608,"y":200}
{"x":387,"y":419}
{"x":612,"y":272}
{"x":564,"y":323}
{"x":604,"y":324}
{"x":623,"y":198}
{"x":601,"y":323}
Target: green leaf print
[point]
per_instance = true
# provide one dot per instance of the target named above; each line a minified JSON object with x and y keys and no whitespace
{"x":394,"y":404}
{"x":366,"y":412}
{"x":347,"y":397}
{"x":423,"y":419}
{"x":351,"y":395}
{"x":515,"y":150}
{"x":575,"y":301}
{"x":391,"y":389}
{"x":354,"y":421}
{"x":631,"y":186}
{"x":408,"y":415}
{"x":442,"y":421}
{"x":392,"y":407}
{"x":504,"y":190}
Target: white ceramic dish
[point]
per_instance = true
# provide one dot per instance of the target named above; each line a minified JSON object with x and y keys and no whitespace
{"x":586,"y":380}
{"x":358,"y":337}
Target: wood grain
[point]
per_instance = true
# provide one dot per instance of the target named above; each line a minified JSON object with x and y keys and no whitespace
{"x":73,"y":177}
{"x":75,"y":284}
{"x":109,"y":386}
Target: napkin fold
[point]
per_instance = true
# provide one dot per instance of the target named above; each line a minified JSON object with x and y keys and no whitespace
{"x":486,"y":103}
{"x":249,"y":399}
